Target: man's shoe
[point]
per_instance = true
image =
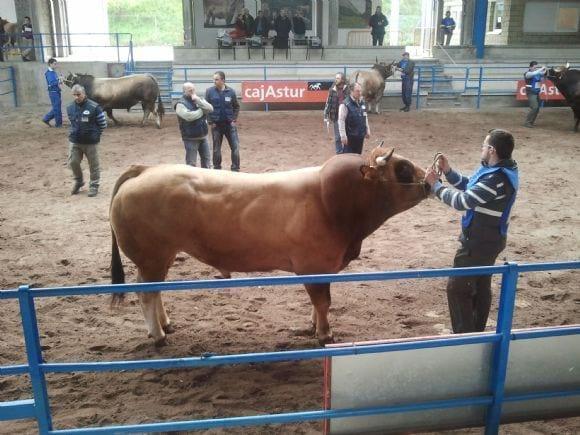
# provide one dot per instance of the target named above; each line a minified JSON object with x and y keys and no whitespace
{"x":528,"y":125}
{"x":402,"y":109}
{"x":47,"y":123}
{"x":76,"y":187}
{"x":93,"y":192}
{"x":406,"y":109}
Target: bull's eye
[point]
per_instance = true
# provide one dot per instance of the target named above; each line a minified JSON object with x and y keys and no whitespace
{"x":404,"y":171}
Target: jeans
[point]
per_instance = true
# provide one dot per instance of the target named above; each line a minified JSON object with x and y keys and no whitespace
{"x":75,"y":156}
{"x":407,"y":91}
{"x":231,"y":133}
{"x":55,"y":112}
{"x":337,"y":141}
{"x":192,"y":146}
{"x":469,"y":297}
{"x":354,"y":145}
{"x":378,"y":39}
{"x":534,"y":100}
{"x":447,"y":34}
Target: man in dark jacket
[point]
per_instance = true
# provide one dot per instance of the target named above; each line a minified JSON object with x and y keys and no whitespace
{"x":336,"y":96}
{"x":223,"y":120}
{"x":299,"y":25}
{"x":249,"y":23}
{"x":261,"y":25}
{"x":407,"y":68}
{"x":487,"y":198}
{"x":377,"y":23}
{"x":87,"y":122}
{"x":353,"y":122}
{"x":27,"y":41}
{"x":191,"y":113}
{"x":283,"y":27}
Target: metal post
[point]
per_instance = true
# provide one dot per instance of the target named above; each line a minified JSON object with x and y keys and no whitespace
{"x":131,"y":54}
{"x":266,"y":107}
{"x":479,"y":22}
{"x":479,"y":86}
{"x":13,"y":80}
{"x":432,"y":78}
{"x":32,"y":342}
{"x":41,"y":48}
{"x":118,"y":53}
{"x":466,"y":79}
{"x":501,"y":349}
{"x":418,"y":88}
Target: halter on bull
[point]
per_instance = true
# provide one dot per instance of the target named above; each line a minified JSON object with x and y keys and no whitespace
{"x":306,"y":221}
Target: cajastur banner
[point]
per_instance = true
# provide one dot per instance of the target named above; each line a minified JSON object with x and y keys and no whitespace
{"x":548,"y":91}
{"x":285,"y":91}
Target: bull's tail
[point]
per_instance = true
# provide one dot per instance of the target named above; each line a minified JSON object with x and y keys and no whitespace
{"x":160,"y":108}
{"x":117,"y":272}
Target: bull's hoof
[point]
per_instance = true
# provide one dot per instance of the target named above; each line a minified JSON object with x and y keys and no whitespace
{"x":169,"y":329}
{"x":161,"y":342}
{"x":323,"y":341}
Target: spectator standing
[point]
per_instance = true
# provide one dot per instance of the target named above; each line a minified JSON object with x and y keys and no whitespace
{"x":27,"y":41}
{"x":2,"y":40}
{"x":191,"y":113}
{"x":487,"y":198}
{"x":336,"y":96}
{"x":353,"y":122}
{"x":378,"y":23}
{"x":54,"y":93}
{"x":299,"y":25}
{"x":223,"y":120}
{"x":407,"y":68}
{"x":447,"y":27}
{"x":87,"y":122}
{"x":533,"y":77}
{"x":248,"y":22}
{"x":261,"y":25}
{"x":283,"y":27}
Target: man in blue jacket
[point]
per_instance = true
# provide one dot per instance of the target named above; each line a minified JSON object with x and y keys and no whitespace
{"x":223,"y":120}
{"x":87,"y":122}
{"x":487,"y":198}
{"x":53,"y":83}
{"x":407,"y":68}
{"x":533,"y":78}
{"x":447,"y":27}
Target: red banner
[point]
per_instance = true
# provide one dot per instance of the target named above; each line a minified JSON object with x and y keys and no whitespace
{"x":548,"y":91}
{"x":285,"y":92}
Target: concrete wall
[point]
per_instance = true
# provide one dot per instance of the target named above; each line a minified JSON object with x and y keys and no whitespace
{"x":509,"y":53}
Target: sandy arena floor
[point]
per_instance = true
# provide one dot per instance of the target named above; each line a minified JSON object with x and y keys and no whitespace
{"x":49,"y":238}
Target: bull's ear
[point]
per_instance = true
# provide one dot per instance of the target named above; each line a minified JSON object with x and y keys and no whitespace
{"x":369,"y":173}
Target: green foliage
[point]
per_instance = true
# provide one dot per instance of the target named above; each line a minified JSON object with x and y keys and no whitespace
{"x":152,"y":22}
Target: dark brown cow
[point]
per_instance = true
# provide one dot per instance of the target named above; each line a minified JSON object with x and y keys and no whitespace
{"x":568,"y":83}
{"x":373,"y":83}
{"x":305,"y":221}
{"x":122,"y":93}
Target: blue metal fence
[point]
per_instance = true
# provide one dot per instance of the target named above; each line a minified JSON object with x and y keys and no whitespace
{"x":8,"y":83}
{"x":37,"y":368}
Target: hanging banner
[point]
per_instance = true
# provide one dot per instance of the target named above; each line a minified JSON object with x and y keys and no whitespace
{"x":548,"y":91}
{"x":285,"y":91}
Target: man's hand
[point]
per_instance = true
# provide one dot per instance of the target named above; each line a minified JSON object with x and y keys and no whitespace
{"x":344,"y":141}
{"x":195,"y":97}
{"x":431,"y":176}
{"x":443,"y":163}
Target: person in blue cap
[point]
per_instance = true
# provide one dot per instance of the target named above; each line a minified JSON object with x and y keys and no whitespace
{"x":487,"y":198}
{"x":533,"y":77}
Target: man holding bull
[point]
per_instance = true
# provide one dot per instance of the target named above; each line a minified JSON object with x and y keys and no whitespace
{"x":487,"y":198}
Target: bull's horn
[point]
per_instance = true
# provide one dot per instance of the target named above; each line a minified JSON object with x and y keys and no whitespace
{"x":382,"y":161}
{"x":381,"y":144}
{"x":567,"y":64}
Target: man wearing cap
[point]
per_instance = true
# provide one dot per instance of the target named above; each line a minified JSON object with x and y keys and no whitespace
{"x":407,"y":68}
{"x":533,"y":77}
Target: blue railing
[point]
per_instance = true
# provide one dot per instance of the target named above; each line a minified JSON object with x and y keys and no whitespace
{"x":37,"y":368}
{"x":8,"y":80}
{"x":62,"y":44}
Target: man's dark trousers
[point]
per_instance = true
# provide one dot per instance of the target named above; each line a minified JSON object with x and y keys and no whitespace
{"x":407,"y":91}
{"x":469,"y":297}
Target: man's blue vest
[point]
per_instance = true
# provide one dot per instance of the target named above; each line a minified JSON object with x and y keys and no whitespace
{"x":222,"y":104}
{"x":192,"y":129}
{"x":355,"y":123}
{"x":533,"y":83}
{"x":513,"y":178}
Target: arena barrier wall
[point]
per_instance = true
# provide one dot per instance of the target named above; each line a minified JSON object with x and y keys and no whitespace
{"x":493,"y":398}
{"x":8,"y":83}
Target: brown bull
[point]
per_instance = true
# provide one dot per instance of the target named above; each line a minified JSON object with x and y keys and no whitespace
{"x":306,"y":221}
{"x":122,"y":93}
{"x":373,"y":83}
{"x":567,"y":81}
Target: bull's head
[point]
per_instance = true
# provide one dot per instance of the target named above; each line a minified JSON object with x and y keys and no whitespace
{"x":71,"y":79}
{"x":385,"y":69}
{"x":558,"y":72}
{"x":401,"y":178}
